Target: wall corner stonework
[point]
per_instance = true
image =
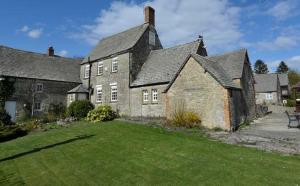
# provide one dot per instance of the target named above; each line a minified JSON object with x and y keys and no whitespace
{"x":227,"y":111}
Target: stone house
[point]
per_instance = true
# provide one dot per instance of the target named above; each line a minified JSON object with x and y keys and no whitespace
{"x":40,"y":79}
{"x":267,"y":87}
{"x":284,"y":86}
{"x":133,"y":73}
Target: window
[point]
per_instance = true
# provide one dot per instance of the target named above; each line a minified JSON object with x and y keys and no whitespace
{"x":87,"y":71}
{"x":114,"y":93}
{"x":145,"y":96}
{"x":71,"y":98}
{"x":100,"y":68}
{"x":39,"y":87}
{"x":269,"y":96}
{"x":151,"y":38}
{"x":114,"y":65}
{"x":99,"y":94}
{"x":37,"y":106}
{"x":154,"y":95}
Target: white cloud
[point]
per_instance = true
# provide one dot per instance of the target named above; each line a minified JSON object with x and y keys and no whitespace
{"x":292,"y":62}
{"x":35,"y":33}
{"x":279,"y":43}
{"x":176,"y":21}
{"x":283,"y":9}
{"x":63,"y":53}
{"x":24,"y":28}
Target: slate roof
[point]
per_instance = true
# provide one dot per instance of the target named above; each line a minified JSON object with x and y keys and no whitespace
{"x":266,"y":82}
{"x":216,"y":70}
{"x":162,"y":65}
{"x":18,"y":63}
{"x":283,"y":79}
{"x":79,"y":89}
{"x":117,"y":43}
{"x":232,"y":62}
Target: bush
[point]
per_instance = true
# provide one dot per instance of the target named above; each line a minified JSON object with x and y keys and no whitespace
{"x":79,"y":109}
{"x":101,"y":113}
{"x":9,"y":133}
{"x":5,"y":118}
{"x":291,"y":103}
{"x":56,"y":110}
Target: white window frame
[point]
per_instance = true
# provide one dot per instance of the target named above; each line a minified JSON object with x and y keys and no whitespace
{"x":145,"y":96}
{"x":154,"y":95}
{"x":86,"y":71}
{"x":269,"y":96}
{"x":71,"y":98}
{"x":39,"y":87}
{"x":100,"y":66}
{"x":99,"y":94}
{"x":39,"y":108}
{"x":114,"y":65}
{"x":114,"y":93}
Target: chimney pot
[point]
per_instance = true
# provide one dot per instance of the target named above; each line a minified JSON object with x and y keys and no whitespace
{"x":149,"y":15}
{"x":51,"y":51}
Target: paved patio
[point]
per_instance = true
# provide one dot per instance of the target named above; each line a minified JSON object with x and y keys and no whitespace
{"x":268,"y":133}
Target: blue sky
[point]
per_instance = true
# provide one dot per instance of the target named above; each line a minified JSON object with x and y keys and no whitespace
{"x":269,"y":29}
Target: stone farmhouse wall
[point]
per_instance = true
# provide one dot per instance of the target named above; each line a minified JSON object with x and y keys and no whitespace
{"x":54,"y":92}
{"x":261,"y":98}
{"x":198,"y":91}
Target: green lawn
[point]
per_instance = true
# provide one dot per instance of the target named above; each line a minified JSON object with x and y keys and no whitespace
{"x":115,"y":153}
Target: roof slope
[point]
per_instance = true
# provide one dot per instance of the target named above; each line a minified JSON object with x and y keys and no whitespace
{"x":283,"y":79}
{"x":232,"y":62}
{"x":266,"y":82}
{"x":117,"y":43}
{"x":216,"y":71}
{"x":162,"y":65}
{"x":18,"y":63}
{"x":79,"y":89}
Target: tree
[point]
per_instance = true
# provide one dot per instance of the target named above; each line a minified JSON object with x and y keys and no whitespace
{"x":294,"y":77}
{"x":260,"y":67}
{"x":282,"y":68}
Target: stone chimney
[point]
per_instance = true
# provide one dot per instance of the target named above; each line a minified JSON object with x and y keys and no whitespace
{"x":50,"y":51}
{"x":149,"y":15}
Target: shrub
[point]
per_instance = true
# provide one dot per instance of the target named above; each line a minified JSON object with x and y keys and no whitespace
{"x":291,"y":103}
{"x":101,"y":113}
{"x":5,"y":118}
{"x":79,"y":109}
{"x":9,"y":133}
{"x":56,"y":110}
{"x":183,"y":118}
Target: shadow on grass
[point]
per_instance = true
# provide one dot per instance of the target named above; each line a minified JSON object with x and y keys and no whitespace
{"x":81,"y":137}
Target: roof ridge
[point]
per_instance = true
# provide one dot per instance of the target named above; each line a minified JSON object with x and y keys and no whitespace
{"x":227,"y":53}
{"x":35,"y":53}
{"x":177,"y":46}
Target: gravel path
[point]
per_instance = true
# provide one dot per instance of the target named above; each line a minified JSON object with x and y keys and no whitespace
{"x":269,"y":133}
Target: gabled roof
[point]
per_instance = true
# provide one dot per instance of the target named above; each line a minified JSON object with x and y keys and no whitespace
{"x":162,"y":65}
{"x":232,"y":62}
{"x":266,"y":82}
{"x":117,"y":43}
{"x":79,"y":89}
{"x":18,"y":63}
{"x":283,"y":79}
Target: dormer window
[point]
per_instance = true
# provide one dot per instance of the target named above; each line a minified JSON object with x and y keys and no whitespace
{"x":87,"y":71}
{"x":151,"y":38}
{"x":114,"y":65}
{"x":39,"y":87}
{"x":100,"y":68}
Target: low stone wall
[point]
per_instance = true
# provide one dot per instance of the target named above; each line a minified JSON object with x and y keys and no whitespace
{"x":280,"y":109}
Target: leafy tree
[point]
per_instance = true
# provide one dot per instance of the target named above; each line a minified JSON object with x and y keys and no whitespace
{"x":6,"y":91}
{"x":260,"y":67}
{"x":282,"y":68}
{"x":294,"y":77}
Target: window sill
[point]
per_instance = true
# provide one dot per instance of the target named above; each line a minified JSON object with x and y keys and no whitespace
{"x":100,"y":74}
{"x":155,"y":103}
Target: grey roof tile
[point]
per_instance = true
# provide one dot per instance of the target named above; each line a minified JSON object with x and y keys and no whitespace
{"x":79,"y":89}
{"x":162,"y":65}
{"x":18,"y":63}
{"x":266,"y":82}
{"x":232,"y":62}
{"x":283,"y":79}
{"x":117,"y":43}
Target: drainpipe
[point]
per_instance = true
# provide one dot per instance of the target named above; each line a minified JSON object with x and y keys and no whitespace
{"x":89,"y":81}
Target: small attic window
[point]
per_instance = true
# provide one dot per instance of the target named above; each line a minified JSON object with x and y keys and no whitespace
{"x":151,"y":38}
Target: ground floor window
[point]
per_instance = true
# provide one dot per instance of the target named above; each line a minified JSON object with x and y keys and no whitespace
{"x":114,"y":93}
{"x":37,"y":106}
{"x":71,"y":98}
{"x":269,"y":96}
{"x":145,"y":96}
{"x":154,"y":95}
{"x":99,"y":94}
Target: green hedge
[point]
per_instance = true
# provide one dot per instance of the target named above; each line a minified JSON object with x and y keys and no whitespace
{"x":9,"y":133}
{"x":79,"y":109}
{"x":101,"y":113}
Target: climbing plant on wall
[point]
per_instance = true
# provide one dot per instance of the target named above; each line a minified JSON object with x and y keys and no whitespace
{"x":6,"y":90}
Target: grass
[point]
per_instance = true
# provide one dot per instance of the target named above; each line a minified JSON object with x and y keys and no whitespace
{"x":115,"y":153}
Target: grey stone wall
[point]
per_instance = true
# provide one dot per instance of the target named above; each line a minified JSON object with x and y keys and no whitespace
{"x":149,"y":109}
{"x":199,"y":92}
{"x":53,"y":92}
{"x":261,"y":98}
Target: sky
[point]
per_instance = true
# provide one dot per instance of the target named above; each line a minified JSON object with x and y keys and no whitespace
{"x":269,"y":29}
